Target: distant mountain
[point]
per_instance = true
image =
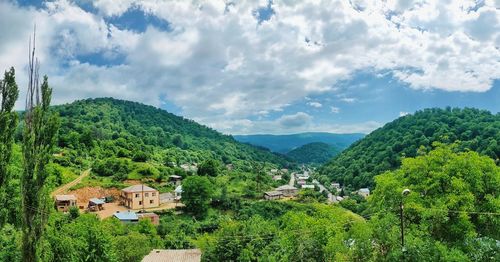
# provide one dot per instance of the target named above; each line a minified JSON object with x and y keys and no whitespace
{"x":286,"y":143}
{"x":313,"y":153}
{"x":383,"y":149}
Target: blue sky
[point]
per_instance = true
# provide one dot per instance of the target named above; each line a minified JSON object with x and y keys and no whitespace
{"x":246,"y":67}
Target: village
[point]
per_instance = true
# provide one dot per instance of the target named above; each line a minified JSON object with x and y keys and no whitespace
{"x":304,"y":180}
{"x":139,"y":201}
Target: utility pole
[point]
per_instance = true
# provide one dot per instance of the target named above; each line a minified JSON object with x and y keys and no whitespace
{"x":401,"y":217}
{"x":402,"y":224}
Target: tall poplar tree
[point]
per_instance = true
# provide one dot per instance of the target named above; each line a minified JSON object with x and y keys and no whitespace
{"x":40,"y":128}
{"x":9,"y":93}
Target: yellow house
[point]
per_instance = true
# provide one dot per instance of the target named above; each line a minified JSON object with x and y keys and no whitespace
{"x":140,"y":196}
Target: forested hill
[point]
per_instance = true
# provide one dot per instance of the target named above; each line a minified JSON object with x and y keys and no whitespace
{"x":108,"y":126}
{"x":285,"y":143}
{"x":313,"y":153}
{"x":382,"y":150}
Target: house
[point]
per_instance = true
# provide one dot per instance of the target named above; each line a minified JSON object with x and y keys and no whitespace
{"x":364,"y":192}
{"x":126,"y":217}
{"x":175,"y":179}
{"x":177,"y":255}
{"x":272,"y":195}
{"x":154,"y":218}
{"x":277,"y":177}
{"x":178,"y":193}
{"x":140,"y":196}
{"x":307,"y":186}
{"x":64,"y":202}
{"x":287,"y":190}
{"x":96,"y":204}
{"x":190,"y":168}
{"x":336,"y":186}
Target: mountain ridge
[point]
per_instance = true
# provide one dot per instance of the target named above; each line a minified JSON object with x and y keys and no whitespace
{"x":287,"y":142}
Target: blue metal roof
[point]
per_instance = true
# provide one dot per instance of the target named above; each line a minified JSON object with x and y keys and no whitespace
{"x":126,"y":216}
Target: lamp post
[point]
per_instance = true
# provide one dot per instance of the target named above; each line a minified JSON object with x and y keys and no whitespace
{"x":404,"y":193}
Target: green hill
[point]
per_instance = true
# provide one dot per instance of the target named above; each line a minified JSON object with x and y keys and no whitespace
{"x":107,"y":127}
{"x":317,"y":153}
{"x":285,"y":143}
{"x":382,"y":150}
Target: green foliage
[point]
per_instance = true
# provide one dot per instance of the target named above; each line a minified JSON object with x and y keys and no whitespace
{"x":318,"y":153}
{"x":107,"y":127}
{"x":383,"y":149}
{"x":451,"y":197}
{"x":10,"y":243}
{"x":209,"y":167}
{"x":40,"y":129}
{"x":197,"y":192}
{"x":8,"y":123}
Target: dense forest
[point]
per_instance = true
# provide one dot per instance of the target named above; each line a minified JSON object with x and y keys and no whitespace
{"x":313,"y":153}
{"x":285,"y":143}
{"x":107,"y":127}
{"x":384,"y":148}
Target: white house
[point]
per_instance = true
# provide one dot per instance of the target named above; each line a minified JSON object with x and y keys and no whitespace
{"x":364,"y":192}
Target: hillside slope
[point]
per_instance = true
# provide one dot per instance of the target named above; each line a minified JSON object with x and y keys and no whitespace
{"x":107,"y":126}
{"x":317,"y":153}
{"x":382,"y":150}
{"x":286,"y":143}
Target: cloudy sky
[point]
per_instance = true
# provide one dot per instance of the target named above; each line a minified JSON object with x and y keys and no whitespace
{"x":245,"y":67}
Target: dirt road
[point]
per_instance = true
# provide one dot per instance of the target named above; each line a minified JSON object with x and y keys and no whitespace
{"x":64,"y":188}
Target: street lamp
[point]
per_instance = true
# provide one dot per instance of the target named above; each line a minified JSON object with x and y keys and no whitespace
{"x":404,"y":193}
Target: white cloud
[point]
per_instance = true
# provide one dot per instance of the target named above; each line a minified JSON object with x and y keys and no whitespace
{"x":335,"y":110}
{"x":403,"y":114}
{"x":218,"y":63}
{"x":315,"y":104}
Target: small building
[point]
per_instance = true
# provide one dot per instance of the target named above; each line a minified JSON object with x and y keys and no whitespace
{"x":96,"y":204}
{"x":189,"y":168}
{"x":126,"y":217}
{"x":154,"y":218}
{"x":140,"y":196}
{"x":175,"y":179}
{"x":64,"y":202}
{"x":336,"y":185}
{"x":301,"y":182}
{"x":178,"y":193}
{"x":177,"y":255}
{"x":277,"y":177}
{"x":287,"y":190}
{"x":364,"y":192}
{"x":307,"y":186}
{"x":273,"y":195}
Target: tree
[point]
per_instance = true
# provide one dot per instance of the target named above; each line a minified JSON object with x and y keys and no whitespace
{"x":197,"y":194}
{"x":209,"y":167}
{"x":452,"y":195}
{"x":40,"y":129}
{"x":8,"y":122}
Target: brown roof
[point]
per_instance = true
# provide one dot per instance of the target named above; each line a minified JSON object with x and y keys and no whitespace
{"x":65,"y":197}
{"x":138,"y":188}
{"x":177,"y":255}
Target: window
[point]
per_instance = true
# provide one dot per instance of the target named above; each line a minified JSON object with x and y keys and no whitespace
{"x":140,"y":202}
{"x":153,"y":194}
{"x":147,"y":194}
{"x":151,"y":201}
{"x":136,"y":195}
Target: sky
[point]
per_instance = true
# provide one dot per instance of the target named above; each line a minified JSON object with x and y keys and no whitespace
{"x":278,"y":67}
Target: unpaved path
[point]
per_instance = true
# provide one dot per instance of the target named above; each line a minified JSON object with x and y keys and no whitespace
{"x":64,"y":188}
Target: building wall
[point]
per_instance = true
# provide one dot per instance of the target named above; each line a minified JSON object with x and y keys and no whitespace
{"x":134,"y":200}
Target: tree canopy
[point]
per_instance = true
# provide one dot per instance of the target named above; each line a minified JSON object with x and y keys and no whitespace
{"x":383,"y":149}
